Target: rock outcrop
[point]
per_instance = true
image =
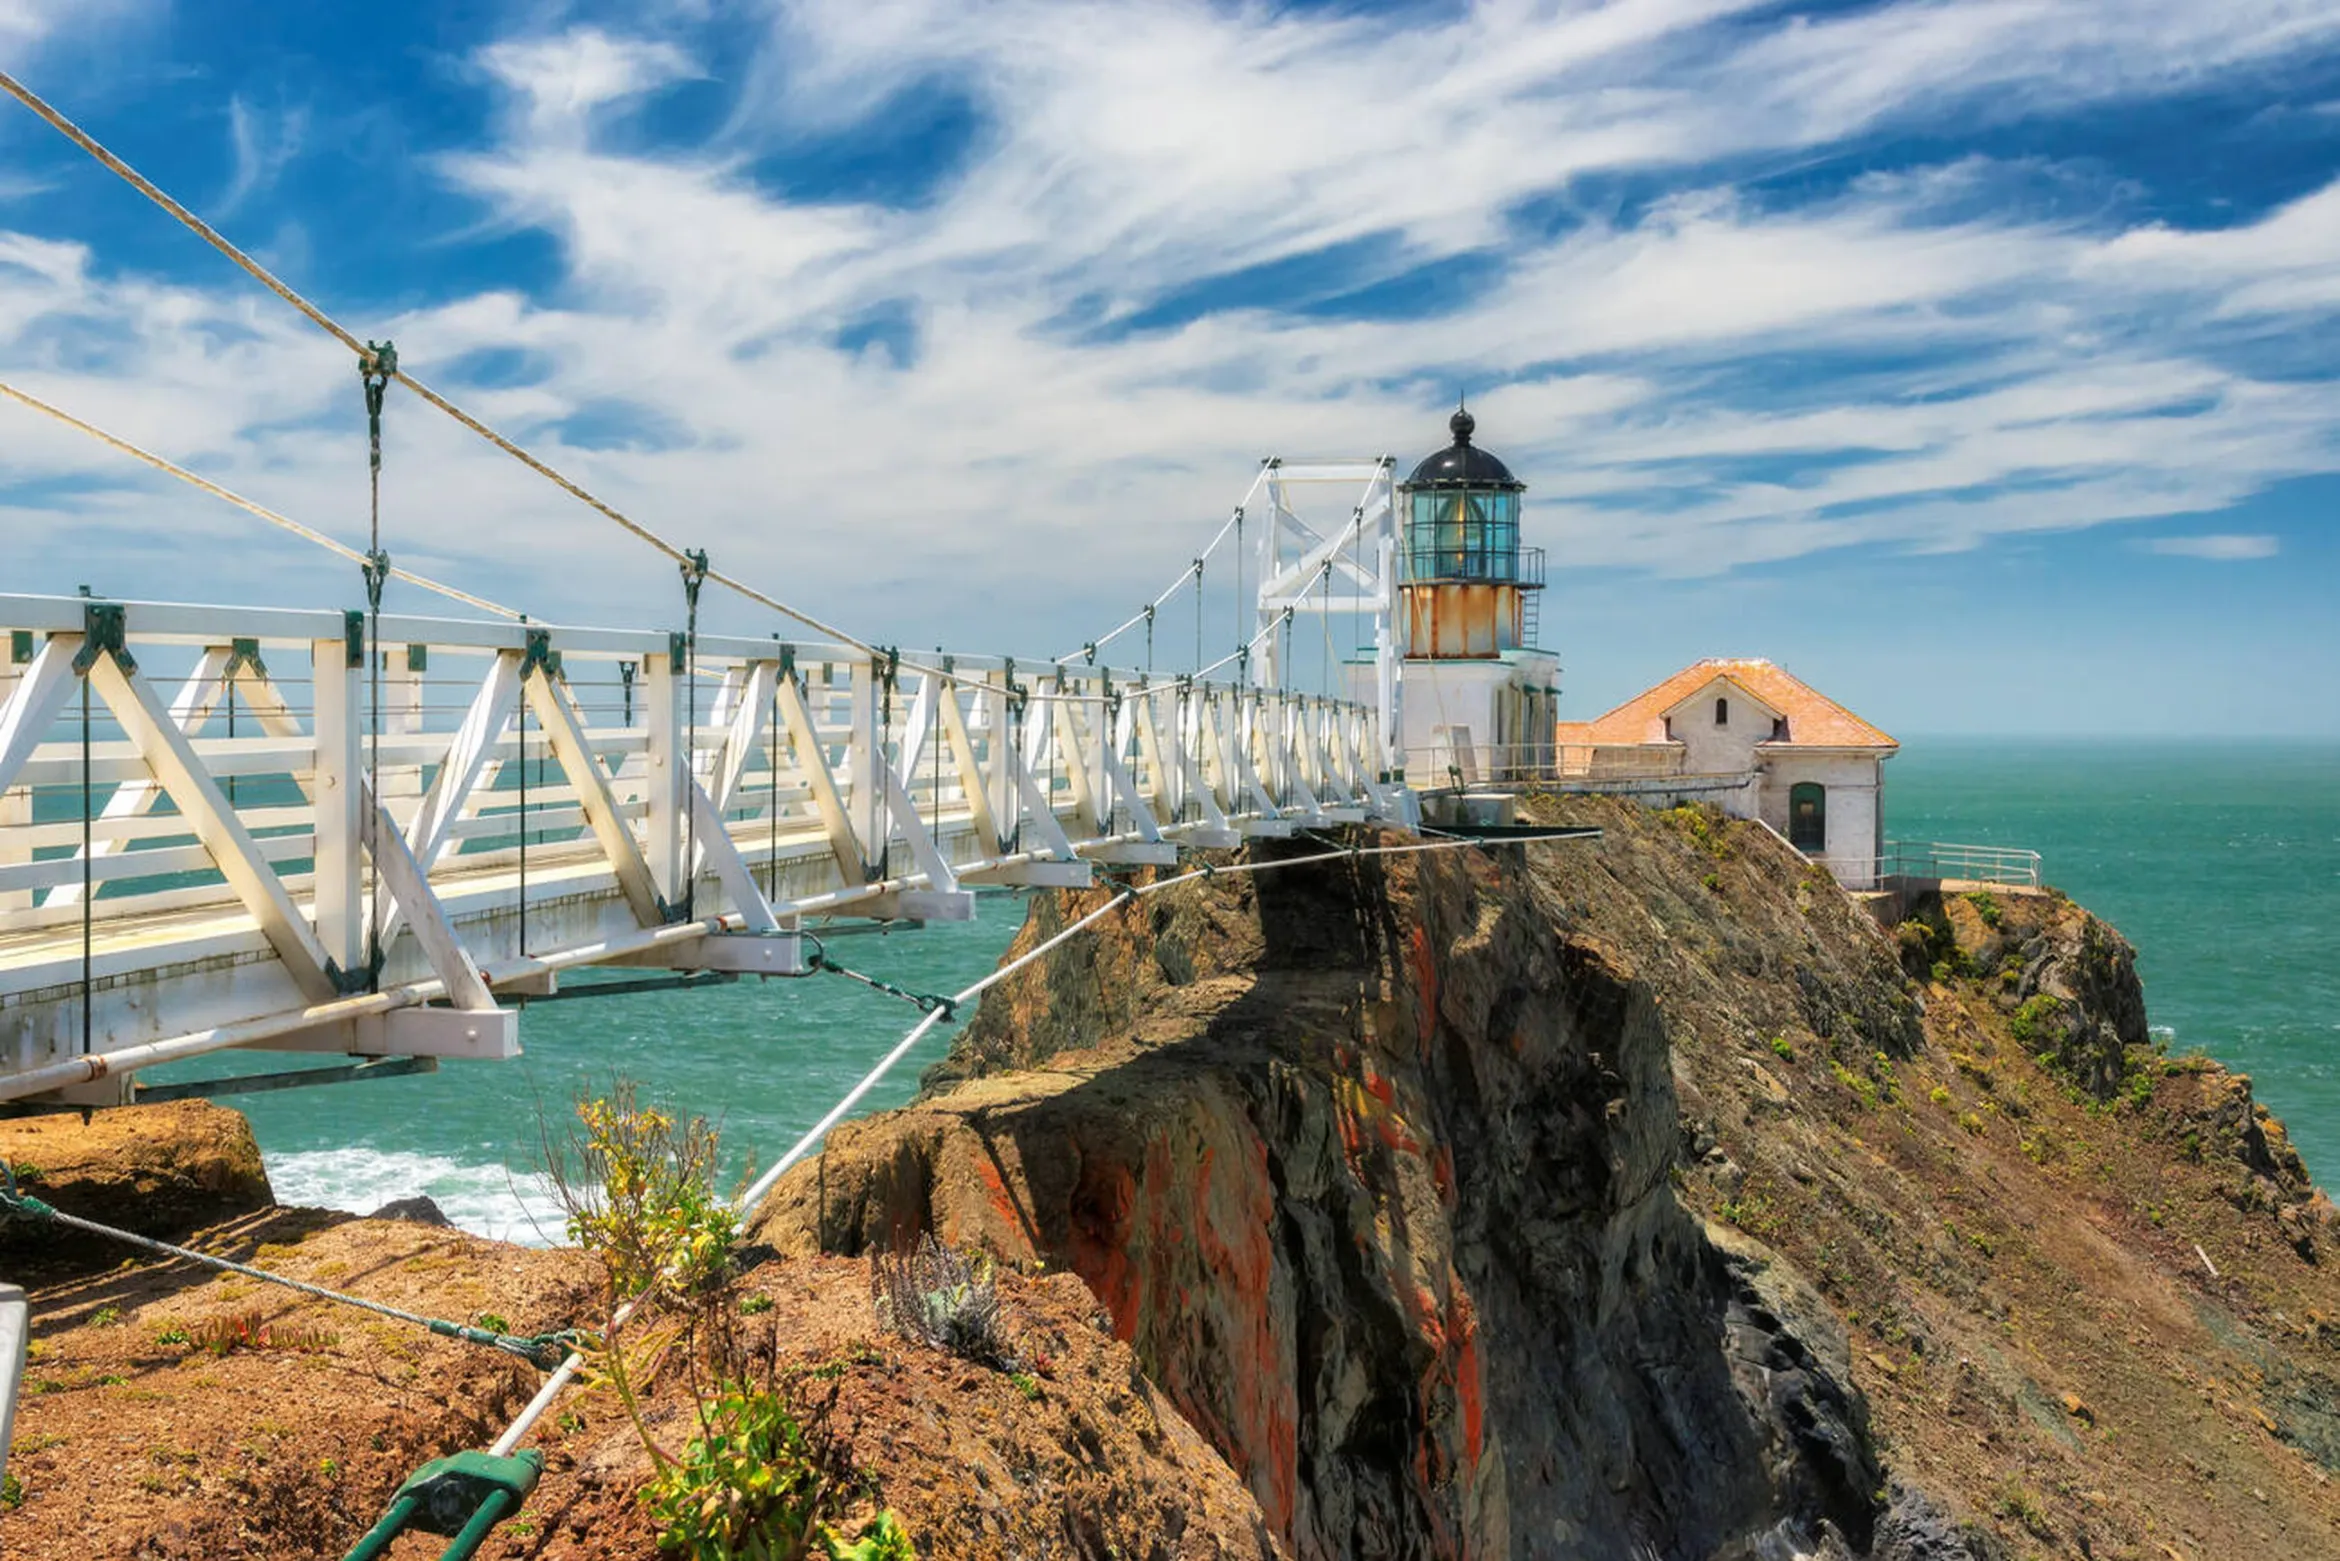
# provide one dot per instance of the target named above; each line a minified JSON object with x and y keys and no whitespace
{"x":1371,"y":1162}
{"x":161,"y":1171}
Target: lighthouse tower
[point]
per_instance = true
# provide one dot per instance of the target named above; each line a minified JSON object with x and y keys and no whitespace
{"x":1480,"y":697}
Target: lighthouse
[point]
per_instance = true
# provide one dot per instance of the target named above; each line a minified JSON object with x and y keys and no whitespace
{"x":1480,"y":695}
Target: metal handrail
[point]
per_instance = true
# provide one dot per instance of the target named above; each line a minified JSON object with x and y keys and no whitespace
{"x":2016,"y":866}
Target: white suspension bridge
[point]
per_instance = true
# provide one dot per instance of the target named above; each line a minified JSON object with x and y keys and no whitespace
{"x":365,"y":832}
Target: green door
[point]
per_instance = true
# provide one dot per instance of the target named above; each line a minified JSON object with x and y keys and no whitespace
{"x":1808,"y":816}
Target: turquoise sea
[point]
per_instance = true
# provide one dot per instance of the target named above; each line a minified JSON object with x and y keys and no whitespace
{"x":2222,"y":864}
{"x":764,"y":1060}
{"x":2220,"y":861}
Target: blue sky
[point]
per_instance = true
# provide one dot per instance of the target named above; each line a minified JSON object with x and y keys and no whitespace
{"x":1975,"y":360}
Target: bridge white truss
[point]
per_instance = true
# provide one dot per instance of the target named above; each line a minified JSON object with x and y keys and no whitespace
{"x":1353,"y":570}
{"x":209,"y":840}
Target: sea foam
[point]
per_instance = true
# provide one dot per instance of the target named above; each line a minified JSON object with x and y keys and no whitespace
{"x":487,"y":1200}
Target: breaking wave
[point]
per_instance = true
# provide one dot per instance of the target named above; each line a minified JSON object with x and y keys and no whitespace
{"x":487,"y":1200}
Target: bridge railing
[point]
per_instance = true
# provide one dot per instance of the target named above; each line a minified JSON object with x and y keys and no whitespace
{"x":214,"y":818}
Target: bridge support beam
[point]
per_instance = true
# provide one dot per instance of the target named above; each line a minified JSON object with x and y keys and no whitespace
{"x":482,"y":1035}
{"x":744,"y":954}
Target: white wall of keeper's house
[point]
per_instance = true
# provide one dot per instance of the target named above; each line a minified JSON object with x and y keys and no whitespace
{"x":1718,"y":747}
{"x":1854,"y":785}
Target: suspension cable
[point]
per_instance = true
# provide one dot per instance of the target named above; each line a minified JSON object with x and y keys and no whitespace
{"x":367,"y":355}
{"x":1198,"y":618}
{"x":521,"y":737}
{"x":88,"y":885}
{"x":541,"y":1350}
{"x":694,"y":573}
{"x":374,"y":374}
{"x":305,"y":533}
{"x":780,"y":670}
{"x":1144,"y":614}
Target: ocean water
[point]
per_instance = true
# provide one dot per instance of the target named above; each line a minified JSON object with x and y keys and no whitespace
{"x":2221,"y":864}
{"x":2219,"y":861}
{"x":762,"y":1060}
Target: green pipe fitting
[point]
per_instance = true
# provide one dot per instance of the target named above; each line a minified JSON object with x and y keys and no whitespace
{"x":465,"y":1495}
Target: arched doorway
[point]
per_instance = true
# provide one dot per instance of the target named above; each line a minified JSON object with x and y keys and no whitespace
{"x":1808,"y":816}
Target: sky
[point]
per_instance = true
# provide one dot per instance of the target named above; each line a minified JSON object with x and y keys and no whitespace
{"x":1974,"y":359}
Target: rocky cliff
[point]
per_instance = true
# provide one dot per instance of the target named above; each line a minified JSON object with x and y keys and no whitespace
{"x":1635,"y":1198}
{"x":1643,"y":1197}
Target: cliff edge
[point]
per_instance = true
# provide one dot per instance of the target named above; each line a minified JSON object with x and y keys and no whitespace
{"x":1644,"y":1196}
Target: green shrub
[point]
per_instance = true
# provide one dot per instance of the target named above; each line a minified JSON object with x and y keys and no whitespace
{"x":750,"y":1486}
{"x":1751,"y":1213}
{"x":759,"y":1478}
{"x":1706,"y":824}
{"x":1782,"y":1049}
{"x":638,"y":1186}
{"x":1986,"y":906}
{"x":883,"y":1540}
{"x":1865,"y":1088}
{"x":758,"y":1483}
{"x":2018,"y":1501}
{"x":11,"y":1493}
{"x":2031,"y":1021}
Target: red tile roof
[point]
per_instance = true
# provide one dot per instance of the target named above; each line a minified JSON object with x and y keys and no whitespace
{"x":1814,"y":720}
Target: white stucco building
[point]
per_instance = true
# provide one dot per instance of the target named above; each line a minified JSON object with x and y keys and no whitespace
{"x":1761,"y":743}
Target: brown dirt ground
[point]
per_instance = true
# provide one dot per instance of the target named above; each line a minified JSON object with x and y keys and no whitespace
{"x":129,"y":1447}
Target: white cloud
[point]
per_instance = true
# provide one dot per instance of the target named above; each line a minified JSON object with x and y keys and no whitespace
{"x":263,"y":145}
{"x":1670,"y":376}
{"x":2223,"y":547}
{"x":26,"y":19}
{"x":25,"y":23}
{"x":562,"y":80}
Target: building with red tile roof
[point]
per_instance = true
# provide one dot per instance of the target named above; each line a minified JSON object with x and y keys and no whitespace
{"x":1758,"y":740}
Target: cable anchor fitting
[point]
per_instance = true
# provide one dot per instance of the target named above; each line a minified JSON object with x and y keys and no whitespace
{"x":377,"y":368}
{"x":376,"y":567}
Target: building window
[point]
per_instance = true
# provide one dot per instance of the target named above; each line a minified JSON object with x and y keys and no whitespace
{"x":1808,"y":816}
{"x":1722,"y":712}
{"x":1779,"y":729}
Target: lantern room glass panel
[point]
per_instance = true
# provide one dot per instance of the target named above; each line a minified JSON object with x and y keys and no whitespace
{"x":1463,"y":535}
